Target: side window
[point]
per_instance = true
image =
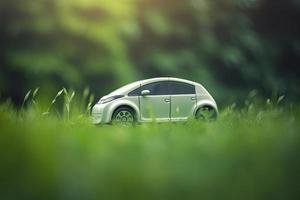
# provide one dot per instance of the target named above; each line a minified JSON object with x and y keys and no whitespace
{"x":181,"y":88}
{"x":157,"y":88}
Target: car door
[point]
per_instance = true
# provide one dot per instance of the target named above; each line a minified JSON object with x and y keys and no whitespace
{"x":183,"y":100}
{"x":155,"y":105}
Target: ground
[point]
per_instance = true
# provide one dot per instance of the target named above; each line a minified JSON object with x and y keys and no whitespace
{"x":248,"y":153}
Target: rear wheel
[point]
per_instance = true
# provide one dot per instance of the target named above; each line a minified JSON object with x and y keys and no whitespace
{"x":124,"y":116}
{"x":206,"y":113}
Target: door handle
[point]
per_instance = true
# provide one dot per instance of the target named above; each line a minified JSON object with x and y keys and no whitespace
{"x":193,"y":98}
{"x":167,"y":100}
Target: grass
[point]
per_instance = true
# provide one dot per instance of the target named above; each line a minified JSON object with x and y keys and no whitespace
{"x":248,"y":153}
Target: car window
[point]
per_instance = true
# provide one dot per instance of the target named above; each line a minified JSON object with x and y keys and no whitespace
{"x":181,"y":88}
{"x":157,"y":88}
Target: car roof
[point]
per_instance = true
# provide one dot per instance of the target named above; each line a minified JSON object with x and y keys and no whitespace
{"x":131,"y":86}
{"x":151,"y":80}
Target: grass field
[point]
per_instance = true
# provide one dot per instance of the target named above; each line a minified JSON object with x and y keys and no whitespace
{"x":248,"y":153}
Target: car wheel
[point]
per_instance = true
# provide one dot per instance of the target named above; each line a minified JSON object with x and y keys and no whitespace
{"x":206,"y":113}
{"x":124,"y":116}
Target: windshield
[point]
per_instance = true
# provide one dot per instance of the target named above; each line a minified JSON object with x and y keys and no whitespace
{"x":124,"y":88}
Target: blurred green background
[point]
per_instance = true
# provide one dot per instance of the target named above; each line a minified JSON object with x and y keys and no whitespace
{"x":230,"y":46}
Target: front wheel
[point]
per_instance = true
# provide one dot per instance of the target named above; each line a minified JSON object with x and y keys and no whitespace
{"x":124,"y":116}
{"x":206,"y":113}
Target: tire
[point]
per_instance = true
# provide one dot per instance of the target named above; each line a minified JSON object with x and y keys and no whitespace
{"x":206,"y":113}
{"x":124,"y":116}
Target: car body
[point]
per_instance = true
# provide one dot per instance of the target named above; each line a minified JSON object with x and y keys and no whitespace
{"x":157,"y":99}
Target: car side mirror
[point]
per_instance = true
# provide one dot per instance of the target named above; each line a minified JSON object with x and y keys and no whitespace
{"x":145,"y":92}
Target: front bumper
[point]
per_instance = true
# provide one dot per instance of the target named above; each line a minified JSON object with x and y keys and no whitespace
{"x":99,"y":114}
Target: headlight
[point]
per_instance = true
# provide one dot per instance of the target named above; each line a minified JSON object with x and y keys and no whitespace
{"x":109,"y":99}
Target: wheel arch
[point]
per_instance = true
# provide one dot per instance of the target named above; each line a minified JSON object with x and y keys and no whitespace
{"x":205,"y":103}
{"x":124,"y":104}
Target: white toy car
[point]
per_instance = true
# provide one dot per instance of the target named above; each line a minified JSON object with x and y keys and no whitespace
{"x":156,"y":99}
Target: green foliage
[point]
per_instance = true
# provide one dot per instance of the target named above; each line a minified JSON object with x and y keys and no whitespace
{"x":26,"y":98}
{"x":230,"y":46}
{"x":33,"y":100}
{"x":68,"y":100}
{"x":59,"y":93}
{"x":249,"y":153}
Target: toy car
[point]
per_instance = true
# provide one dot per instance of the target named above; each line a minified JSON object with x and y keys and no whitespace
{"x":156,"y":99}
